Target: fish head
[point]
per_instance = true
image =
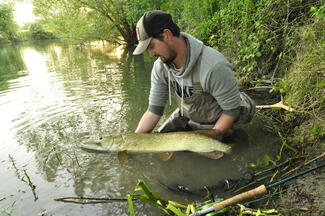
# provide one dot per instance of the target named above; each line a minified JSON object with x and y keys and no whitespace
{"x":105,"y":144}
{"x":92,"y":145}
{"x":111,"y":142}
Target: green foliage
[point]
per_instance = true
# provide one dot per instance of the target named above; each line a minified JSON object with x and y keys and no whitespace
{"x":37,"y":32}
{"x":79,"y":20}
{"x":210,"y":204}
{"x":8,"y":27}
{"x":267,"y":159}
{"x":265,"y":40}
{"x":194,"y":17}
{"x":142,"y":192}
{"x":66,"y":19}
{"x":250,"y":33}
{"x":264,"y":162}
{"x":318,"y":13}
{"x":303,"y":83}
{"x":244,"y":211}
{"x":285,"y":146}
{"x":136,"y":8}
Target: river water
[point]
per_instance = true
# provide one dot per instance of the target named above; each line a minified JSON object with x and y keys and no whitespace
{"x":54,"y":95}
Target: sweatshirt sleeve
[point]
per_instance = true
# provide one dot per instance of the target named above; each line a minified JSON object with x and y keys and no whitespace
{"x":158,"y":90}
{"x":222,"y":85}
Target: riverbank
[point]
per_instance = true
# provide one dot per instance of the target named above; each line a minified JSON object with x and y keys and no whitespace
{"x":304,"y":195}
{"x":303,"y":85}
{"x":278,"y":44}
{"x":291,"y":65}
{"x":303,"y":129}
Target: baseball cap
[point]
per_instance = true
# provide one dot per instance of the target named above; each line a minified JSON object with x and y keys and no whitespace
{"x":150,"y":24}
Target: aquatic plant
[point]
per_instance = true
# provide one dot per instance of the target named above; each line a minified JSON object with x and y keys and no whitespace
{"x":244,"y":211}
{"x":142,"y":192}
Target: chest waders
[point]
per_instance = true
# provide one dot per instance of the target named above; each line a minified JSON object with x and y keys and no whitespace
{"x":201,"y":110}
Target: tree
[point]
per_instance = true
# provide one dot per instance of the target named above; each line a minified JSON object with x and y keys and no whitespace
{"x":36,"y":31}
{"x":112,"y":20}
{"x":8,"y":27}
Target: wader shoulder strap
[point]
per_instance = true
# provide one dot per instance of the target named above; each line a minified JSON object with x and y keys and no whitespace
{"x":197,"y":87}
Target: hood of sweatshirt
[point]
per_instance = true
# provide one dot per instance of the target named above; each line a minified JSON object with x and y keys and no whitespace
{"x":183,"y":76}
{"x":193,"y":51}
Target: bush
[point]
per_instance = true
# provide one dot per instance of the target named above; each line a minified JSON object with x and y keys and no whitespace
{"x":8,"y":27}
{"x":268,"y":40}
{"x":304,"y":85}
{"x":257,"y":36}
{"x":37,"y":32}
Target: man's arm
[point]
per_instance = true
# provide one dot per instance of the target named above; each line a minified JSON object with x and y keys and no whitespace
{"x":148,"y":122}
{"x":223,"y":124}
{"x":221,"y":127}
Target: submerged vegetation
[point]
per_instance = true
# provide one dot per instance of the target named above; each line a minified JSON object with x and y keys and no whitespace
{"x":142,"y":192}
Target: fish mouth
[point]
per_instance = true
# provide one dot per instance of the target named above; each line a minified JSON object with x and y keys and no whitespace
{"x":93,"y":150}
{"x":92,"y":147}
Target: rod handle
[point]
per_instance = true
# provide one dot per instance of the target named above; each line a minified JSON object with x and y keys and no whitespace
{"x":260,"y":190}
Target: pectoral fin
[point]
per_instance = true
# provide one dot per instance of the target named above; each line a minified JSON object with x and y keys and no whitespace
{"x":215,"y":155}
{"x":165,"y":156}
{"x":122,"y":156}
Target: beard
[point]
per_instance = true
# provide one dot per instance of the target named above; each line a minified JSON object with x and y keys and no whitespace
{"x":171,"y":55}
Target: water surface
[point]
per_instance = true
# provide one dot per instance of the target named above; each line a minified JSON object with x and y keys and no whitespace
{"x":53,"y":96}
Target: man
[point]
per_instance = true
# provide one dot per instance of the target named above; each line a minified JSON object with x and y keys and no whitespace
{"x":202,"y":78}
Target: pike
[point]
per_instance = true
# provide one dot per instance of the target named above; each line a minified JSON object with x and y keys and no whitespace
{"x":194,"y":141}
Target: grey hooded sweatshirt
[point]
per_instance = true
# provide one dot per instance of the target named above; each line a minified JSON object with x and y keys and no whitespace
{"x":216,"y":78}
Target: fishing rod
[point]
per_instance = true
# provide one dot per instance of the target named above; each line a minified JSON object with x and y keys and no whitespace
{"x":260,"y":190}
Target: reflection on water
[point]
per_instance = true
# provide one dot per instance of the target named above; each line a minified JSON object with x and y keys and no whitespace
{"x":53,"y":96}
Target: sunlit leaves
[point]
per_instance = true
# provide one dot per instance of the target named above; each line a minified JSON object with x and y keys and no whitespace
{"x":8,"y":27}
{"x":79,"y":20}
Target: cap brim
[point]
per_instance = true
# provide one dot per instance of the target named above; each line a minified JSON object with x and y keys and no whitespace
{"x":142,"y":46}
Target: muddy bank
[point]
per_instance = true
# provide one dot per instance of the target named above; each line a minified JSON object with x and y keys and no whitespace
{"x":307,"y":199}
{"x":304,"y":195}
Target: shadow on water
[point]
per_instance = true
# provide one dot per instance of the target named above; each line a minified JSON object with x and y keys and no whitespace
{"x":63,"y":95}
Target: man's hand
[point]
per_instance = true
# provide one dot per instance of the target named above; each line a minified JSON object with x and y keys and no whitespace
{"x":214,"y":133}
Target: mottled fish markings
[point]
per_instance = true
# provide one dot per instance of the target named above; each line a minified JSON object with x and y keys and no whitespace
{"x":158,"y":142}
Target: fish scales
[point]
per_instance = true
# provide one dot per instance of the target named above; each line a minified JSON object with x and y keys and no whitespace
{"x":158,"y":142}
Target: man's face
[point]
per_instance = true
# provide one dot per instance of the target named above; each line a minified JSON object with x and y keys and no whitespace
{"x":162,"y":49}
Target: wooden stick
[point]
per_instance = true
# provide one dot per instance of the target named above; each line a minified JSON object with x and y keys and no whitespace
{"x":278,"y":105}
{"x":260,"y":88}
{"x":260,"y":190}
{"x":63,"y":199}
